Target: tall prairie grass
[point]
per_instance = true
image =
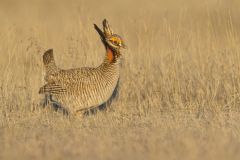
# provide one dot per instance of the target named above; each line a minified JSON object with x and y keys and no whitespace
{"x":179,"y":92}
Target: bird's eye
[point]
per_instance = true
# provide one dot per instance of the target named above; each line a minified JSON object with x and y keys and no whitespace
{"x":115,"y":42}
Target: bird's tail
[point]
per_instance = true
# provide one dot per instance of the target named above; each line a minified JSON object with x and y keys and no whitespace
{"x":49,"y":62}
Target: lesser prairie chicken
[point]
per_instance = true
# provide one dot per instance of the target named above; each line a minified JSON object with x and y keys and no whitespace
{"x":82,"y":88}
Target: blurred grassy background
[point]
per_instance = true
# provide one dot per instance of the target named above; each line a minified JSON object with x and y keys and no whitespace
{"x":179,"y":89}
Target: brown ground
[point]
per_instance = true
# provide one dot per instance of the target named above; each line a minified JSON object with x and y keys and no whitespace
{"x":180,"y":80}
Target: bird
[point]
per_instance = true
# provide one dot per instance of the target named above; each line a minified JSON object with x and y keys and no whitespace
{"x":79,"y":89}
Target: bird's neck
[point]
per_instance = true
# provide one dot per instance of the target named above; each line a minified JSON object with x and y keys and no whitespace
{"x":112,"y":56}
{"x":111,"y":65}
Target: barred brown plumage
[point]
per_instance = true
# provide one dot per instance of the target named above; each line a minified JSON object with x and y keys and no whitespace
{"x":80,"y":88}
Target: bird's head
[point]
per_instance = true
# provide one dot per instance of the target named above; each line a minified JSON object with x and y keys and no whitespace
{"x":109,"y":39}
{"x":115,"y":42}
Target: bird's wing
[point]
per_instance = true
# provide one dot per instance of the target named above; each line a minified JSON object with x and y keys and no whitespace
{"x":52,"y":88}
{"x":59,"y":82}
{"x":71,"y":76}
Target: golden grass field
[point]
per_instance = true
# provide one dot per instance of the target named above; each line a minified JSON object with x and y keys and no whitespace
{"x":179,"y":92}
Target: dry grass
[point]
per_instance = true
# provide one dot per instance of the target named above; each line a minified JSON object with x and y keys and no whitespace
{"x":180,"y":80}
